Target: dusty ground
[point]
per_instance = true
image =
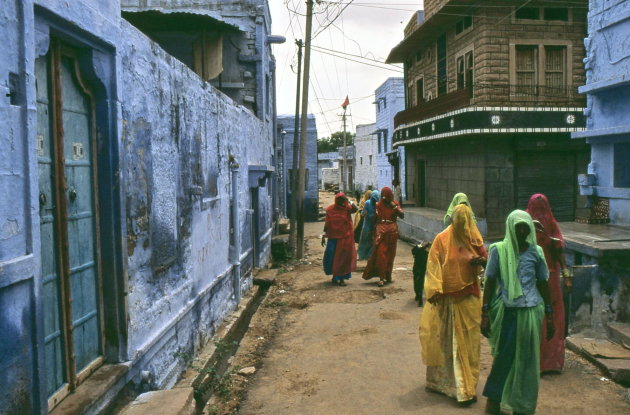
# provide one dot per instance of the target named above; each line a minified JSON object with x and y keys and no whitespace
{"x":322,"y":349}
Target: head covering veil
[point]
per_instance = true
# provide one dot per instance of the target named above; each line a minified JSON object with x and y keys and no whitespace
{"x":458,"y":199}
{"x":370,"y":205}
{"x":509,"y":252}
{"x":540,"y":210}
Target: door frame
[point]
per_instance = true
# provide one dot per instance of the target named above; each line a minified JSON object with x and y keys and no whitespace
{"x":97,"y":61}
{"x":57,"y":51}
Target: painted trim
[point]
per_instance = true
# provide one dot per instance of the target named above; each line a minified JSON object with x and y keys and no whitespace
{"x":488,"y":131}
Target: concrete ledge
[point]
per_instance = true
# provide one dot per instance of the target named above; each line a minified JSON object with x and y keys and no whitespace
{"x":619,"y":333}
{"x":617,"y":369}
{"x":178,"y":401}
{"x":96,"y":393}
{"x":423,"y":224}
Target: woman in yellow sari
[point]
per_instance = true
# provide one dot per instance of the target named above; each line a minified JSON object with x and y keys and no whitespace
{"x":449,"y":325}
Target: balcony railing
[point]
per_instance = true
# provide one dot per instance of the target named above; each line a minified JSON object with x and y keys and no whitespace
{"x":444,"y":103}
{"x":493,"y":95}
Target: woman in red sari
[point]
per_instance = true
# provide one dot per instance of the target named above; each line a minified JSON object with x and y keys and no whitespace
{"x":340,"y":256}
{"x":381,"y":261}
{"x":549,"y":238}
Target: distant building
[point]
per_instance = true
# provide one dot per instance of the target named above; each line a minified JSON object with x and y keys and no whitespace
{"x":491,"y":102}
{"x":365,"y":152}
{"x":311,"y":198}
{"x":346,"y":171}
{"x":326,"y":161}
{"x":389,"y":100}
{"x":136,"y":196}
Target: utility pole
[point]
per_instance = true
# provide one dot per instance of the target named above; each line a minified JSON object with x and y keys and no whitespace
{"x":296,"y":154}
{"x":344,"y":168}
{"x":303,"y":131}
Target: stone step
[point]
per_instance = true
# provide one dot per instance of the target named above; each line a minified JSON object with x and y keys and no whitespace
{"x":610,"y":357}
{"x":619,"y":333}
{"x":177,"y":401}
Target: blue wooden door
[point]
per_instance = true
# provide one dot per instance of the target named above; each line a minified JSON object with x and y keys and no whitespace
{"x":69,"y":223}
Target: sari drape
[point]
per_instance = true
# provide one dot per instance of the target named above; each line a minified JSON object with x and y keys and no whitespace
{"x":450,"y":327}
{"x":551,"y":241}
{"x":381,"y":261}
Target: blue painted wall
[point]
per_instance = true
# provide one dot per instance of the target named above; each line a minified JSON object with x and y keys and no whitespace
{"x":607,"y":66}
{"x":165,"y":138}
{"x":390,"y":98}
{"x":311,"y":197}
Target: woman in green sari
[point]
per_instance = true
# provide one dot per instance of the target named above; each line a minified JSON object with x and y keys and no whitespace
{"x":512,"y":315}
{"x":458,"y":199}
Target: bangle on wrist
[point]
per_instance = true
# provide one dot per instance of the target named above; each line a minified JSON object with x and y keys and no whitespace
{"x":548,"y":309}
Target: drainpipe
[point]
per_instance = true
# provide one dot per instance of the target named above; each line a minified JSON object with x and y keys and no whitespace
{"x":236,"y":249}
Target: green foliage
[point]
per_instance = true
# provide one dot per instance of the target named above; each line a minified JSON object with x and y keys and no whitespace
{"x":330,"y":144}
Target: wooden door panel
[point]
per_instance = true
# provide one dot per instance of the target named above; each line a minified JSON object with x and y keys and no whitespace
{"x":81,"y":219}
{"x":53,"y":338}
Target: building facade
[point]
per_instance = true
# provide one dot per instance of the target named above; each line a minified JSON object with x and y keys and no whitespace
{"x":311,"y":197}
{"x":491,"y":101}
{"x":325,"y":161}
{"x":141,"y":195}
{"x":598,"y":248}
{"x":365,"y":152}
{"x":389,"y":100}
{"x":608,"y":124}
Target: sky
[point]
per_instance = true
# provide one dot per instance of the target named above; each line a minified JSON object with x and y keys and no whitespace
{"x":366,"y":28}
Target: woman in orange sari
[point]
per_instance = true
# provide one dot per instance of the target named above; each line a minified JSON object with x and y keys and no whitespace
{"x":450,"y":322}
{"x":381,"y":261}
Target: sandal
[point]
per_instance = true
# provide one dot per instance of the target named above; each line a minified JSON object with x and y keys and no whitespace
{"x":342,"y":283}
{"x":381,"y":283}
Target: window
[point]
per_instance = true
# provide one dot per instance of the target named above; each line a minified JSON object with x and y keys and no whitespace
{"x":378,"y":106}
{"x":419,"y":91}
{"x":526,"y":79}
{"x":463,"y":25}
{"x":378,"y":138}
{"x":557,"y":13}
{"x":540,"y":70}
{"x":441,"y":65}
{"x":384,"y":102}
{"x":370,"y":159}
{"x":527,"y":13}
{"x":384,"y":141}
{"x":555,"y":67}
{"x":622,"y":167}
{"x":465,"y":64}
{"x":546,"y":13}
{"x":360,"y":160}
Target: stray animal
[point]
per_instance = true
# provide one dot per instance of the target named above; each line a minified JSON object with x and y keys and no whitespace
{"x":420,"y":254}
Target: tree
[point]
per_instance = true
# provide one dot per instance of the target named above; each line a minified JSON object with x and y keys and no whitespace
{"x":332,"y":143}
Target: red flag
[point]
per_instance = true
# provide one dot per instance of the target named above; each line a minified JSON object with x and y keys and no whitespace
{"x":345,"y":103}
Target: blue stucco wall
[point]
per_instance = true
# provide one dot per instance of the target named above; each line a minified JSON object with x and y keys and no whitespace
{"x":392,"y":92}
{"x":168,"y":136}
{"x":607,"y":67}
{"x":311,"y":197}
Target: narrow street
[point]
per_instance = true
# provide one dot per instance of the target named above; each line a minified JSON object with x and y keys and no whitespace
{"x":355,"y":350}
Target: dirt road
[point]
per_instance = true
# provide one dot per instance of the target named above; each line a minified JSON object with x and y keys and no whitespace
{"x":355,"y":350}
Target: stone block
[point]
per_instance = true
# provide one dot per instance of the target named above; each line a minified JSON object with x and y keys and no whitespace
{"x":492,"y":174}
{"x":178,"y":401}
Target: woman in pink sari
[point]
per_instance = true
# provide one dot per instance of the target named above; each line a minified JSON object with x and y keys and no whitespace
{"x":549,"y":238}
{"x":381,"y":261}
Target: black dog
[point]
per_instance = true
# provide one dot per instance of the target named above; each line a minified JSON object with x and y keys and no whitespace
{"x":420,"y":254}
